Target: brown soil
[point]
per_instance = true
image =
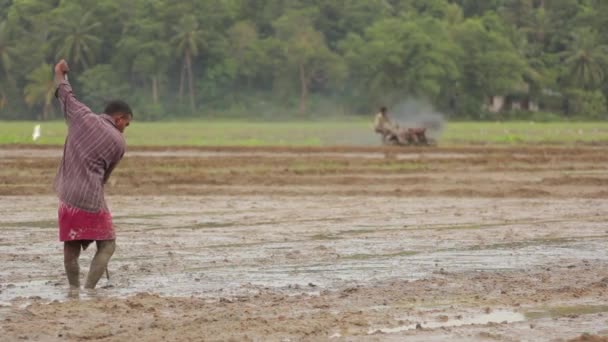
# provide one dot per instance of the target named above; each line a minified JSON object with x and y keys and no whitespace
{"x":530,"y":172}
{"x":353,"y":244}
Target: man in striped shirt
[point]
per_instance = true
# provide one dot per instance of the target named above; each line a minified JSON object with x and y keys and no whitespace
{"x":93,"y":147}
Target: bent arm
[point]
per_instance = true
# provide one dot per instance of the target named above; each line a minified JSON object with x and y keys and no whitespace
{"x":72,"y":108}
{"x":112,"y":163}
{"x":109,"y":170}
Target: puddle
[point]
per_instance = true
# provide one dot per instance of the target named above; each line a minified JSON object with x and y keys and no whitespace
{"x":493,"y":317}
{"x":278,"y":242}
{"x":146,"y":216}
{"x":46,"y":224}
{"x":323,"y":237}
{"x":565,"y":311}
{"x":31,"y":290}
{"x":538,"y":242}
{"x":200,"y":225}
{"x":377,"y":256}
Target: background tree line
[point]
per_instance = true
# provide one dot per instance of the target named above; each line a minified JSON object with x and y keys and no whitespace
{"x":282,"y":58}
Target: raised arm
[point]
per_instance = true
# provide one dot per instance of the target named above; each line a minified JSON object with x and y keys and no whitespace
{"x":72,"y":108}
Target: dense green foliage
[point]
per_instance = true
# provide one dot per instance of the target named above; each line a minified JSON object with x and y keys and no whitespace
{"x":281,"y":58}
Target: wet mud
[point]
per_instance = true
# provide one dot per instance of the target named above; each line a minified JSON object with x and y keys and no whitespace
{"x":353,"y":245}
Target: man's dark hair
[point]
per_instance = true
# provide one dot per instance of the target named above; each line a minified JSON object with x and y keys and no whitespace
{"x":383,"y":109}
{"x":118,"y":107}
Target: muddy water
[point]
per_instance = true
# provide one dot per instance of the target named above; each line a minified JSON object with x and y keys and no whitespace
{"x":276,"y":250}
{"x":356,"y":268}
{"x":212,"y":246}
{"x":444,"y":321}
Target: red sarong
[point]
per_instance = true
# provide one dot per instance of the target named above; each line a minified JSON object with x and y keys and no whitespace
{"x":77,"y":224}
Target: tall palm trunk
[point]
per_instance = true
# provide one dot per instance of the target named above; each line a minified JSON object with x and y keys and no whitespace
{"x":155,"y":89}
{"x":45,"y":112}
{"x":190,"y":82}
{"x":3,"y":101}
{"x":181,"y":80}
{"x":303,"y":90}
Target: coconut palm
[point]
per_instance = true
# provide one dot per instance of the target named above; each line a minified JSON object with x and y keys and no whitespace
{"x":3,"y":96}
{"x":518,"y":12}
{"x":586,"y":59}
{"x":148,"y":56}
{"x":6,"y":58}
{"x":188,"y":40}
{"x":40,"y":89}
{"x":151,"y":62}
{"x":76,"y":40}
{"x":539,"y":28}
{"x":6,"y":49}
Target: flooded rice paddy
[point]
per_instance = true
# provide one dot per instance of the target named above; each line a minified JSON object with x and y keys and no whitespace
{"x":300,"y":258}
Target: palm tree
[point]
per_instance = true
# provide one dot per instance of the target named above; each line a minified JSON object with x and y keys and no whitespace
{"x":40,"y":89}
{"x":518,"y":12}
{"x":188,"y":40}
{"x":586,"y":59}
{"x":150,"y":61}
{"x":76,"y":40}
{"x":6,"y":52}
{"x":3,"y":96}
{"x":539,"y":28}
{"x":6,"y":49}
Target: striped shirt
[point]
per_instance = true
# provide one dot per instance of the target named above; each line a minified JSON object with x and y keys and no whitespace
{"x":92,"y":149}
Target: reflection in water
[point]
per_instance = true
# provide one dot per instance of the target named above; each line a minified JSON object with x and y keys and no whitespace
{"x":563,"y":311}
{"x":494,"y":317}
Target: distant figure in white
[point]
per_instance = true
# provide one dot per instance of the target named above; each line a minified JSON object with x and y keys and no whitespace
{"x":384,"y":126}
{"x":36,"y":133}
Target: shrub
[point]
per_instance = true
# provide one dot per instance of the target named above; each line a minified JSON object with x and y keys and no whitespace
{"x":586,"y":104}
